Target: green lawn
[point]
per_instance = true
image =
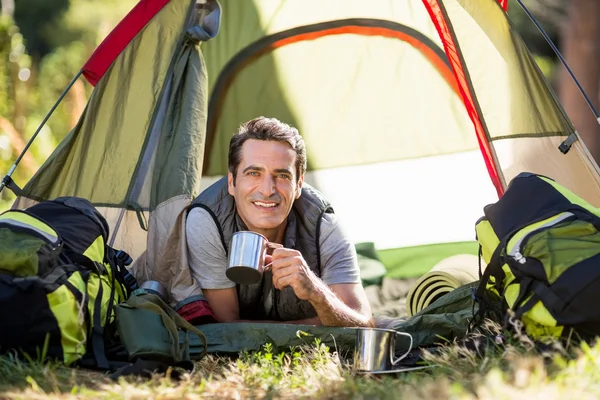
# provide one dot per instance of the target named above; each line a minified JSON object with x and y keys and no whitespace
{"x":512,"y":370}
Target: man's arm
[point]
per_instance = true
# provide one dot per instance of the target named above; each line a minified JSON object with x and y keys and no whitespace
{"x":340,"y":305}
{"x":345,"y":304}
{"x":224,"y":303}
{"x":208,"y":262}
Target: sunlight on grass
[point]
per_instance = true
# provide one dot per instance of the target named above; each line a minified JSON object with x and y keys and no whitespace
{"x":478,"y":368}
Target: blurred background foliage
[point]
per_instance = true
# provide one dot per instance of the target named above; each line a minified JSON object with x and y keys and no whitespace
{"x":44,"y":43}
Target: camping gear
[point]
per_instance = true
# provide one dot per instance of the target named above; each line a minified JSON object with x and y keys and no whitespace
{"x":377,"y":72}
{"x":542,"y":246}
{"x":149,"y":330}
{"x":154,"y":287}
{"x":246,"y":261}
{"x":59,"y":282}
{"x":443,"y":278}
{"x":374,"y":349}
{"x":28,"y":245}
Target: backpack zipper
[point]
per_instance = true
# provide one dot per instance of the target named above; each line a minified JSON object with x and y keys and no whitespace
{"x":17,"y":226}
{"x":516,"y":250}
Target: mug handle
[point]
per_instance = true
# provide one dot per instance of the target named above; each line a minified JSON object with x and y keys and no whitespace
{"x":403,"y":356}
{"x":273,"y":246}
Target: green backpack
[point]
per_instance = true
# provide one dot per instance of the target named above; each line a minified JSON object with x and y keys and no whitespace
{"x":541,"y":244}
{"x":59,"y":281}
{"x":155,"y":338}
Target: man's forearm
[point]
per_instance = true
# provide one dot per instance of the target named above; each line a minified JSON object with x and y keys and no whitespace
{"x":334,"y":312}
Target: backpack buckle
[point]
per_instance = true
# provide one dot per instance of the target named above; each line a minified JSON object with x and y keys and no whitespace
{"x":124,"y":257}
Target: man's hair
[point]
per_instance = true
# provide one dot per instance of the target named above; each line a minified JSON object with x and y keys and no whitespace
{"x":263,"y":128}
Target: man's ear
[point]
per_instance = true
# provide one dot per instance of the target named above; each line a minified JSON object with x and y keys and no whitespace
{"x":299,"y":186}
{"x":230,"y":185}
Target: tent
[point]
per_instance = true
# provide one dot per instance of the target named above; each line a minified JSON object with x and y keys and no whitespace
{"x":416,"y":114}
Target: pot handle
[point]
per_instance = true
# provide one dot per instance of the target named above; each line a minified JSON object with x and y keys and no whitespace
{"x":393,"y":349}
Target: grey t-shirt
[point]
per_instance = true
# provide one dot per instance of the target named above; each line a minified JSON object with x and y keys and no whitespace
{"x":208,"y":260}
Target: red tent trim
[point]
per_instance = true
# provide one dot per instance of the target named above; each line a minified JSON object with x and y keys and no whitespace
{"x":504,"y":4}
{"x":439,"y":20}
{"x":116,"y":41}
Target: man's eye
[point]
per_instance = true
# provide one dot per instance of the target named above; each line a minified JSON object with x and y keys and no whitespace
{"x":253,"y":173}
{"x":283,"y":176}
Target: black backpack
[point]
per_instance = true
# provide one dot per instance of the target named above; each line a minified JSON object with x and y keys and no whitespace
{"x":59,"y":281}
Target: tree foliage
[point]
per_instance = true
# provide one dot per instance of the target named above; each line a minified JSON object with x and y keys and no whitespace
{"x":40,"y":23}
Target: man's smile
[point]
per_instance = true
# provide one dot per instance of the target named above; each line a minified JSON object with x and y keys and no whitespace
{"x":264,"y":204}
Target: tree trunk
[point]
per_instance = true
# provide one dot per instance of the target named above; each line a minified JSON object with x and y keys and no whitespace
{"x":581,"y":49}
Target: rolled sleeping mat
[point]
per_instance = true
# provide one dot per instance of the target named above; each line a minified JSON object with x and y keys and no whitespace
{"x":444,"y":277}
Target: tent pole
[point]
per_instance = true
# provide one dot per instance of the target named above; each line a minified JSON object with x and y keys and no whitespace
{"x":564,"y":62}
{"x":7,"y":178}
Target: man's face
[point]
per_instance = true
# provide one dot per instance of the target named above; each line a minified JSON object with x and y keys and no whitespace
{"x":266,"y":186}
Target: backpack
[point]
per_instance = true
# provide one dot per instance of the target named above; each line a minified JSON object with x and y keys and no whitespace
{"x":59,"y":281}
{"x":542,"y":248}
{"x":155,"y":338}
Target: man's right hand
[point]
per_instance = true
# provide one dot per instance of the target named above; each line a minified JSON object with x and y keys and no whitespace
{"x":290,"y":269}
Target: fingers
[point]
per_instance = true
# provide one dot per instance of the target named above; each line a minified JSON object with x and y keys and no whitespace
{"x":288,"y":268}
{"x":282,"y":252}
{"x":282,"y":282}
{"x":288,"y":274}
{"x":271,"y":245}
{"x":282,"y":258}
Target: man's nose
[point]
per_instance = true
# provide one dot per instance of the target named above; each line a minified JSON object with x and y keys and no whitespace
{"x":267,"y":187}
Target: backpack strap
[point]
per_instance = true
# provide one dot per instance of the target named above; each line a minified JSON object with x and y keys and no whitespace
{"x":170,"y":318}
{"x":119,"y":260}
{"x":480,"y":295}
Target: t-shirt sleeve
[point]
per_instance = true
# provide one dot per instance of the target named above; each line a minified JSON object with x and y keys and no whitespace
{"x":338,"y":255}
{"x":206,"y":254}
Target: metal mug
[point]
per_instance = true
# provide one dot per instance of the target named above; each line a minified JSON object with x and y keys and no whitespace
{"x":246,"y":262}
{"x":375,"y":347}
{"x":155,"y":287}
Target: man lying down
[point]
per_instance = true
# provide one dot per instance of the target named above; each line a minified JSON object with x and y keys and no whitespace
{"x":314,"y":276}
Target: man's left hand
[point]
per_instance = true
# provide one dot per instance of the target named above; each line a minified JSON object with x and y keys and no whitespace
{"x":290,"y":269}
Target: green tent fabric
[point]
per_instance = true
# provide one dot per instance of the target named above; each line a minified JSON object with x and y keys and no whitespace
{"x":372,"y":270}
{"x":136,"y":152}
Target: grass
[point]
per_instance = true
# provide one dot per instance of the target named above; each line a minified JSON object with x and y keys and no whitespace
{"x":516,"y":368}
